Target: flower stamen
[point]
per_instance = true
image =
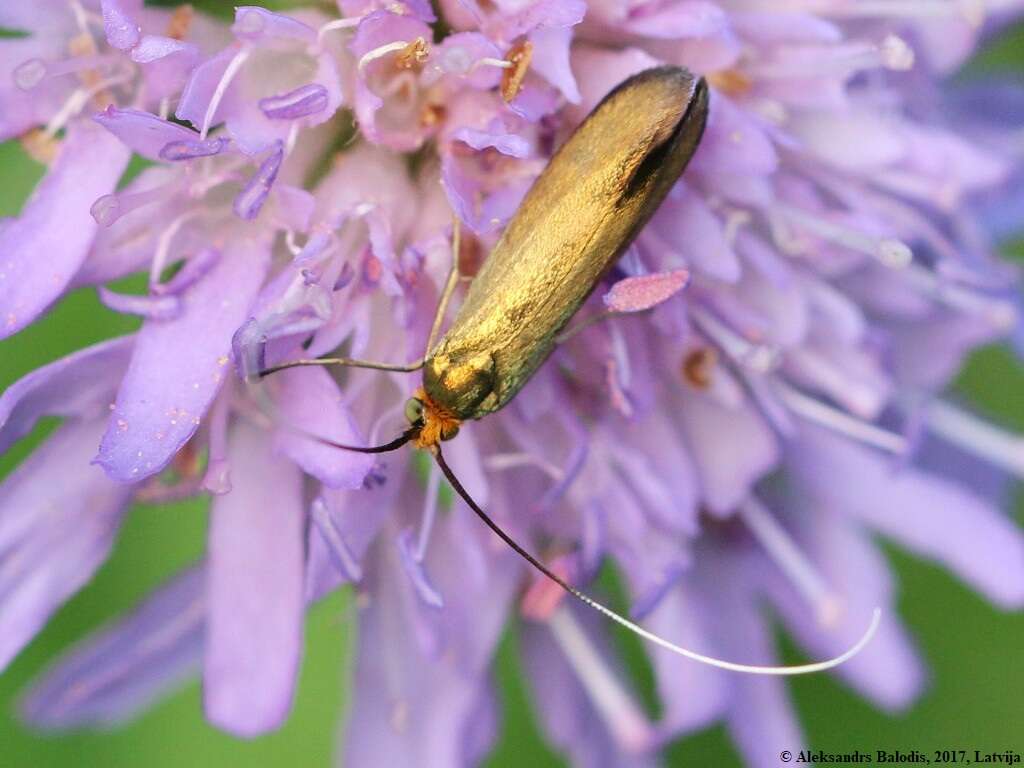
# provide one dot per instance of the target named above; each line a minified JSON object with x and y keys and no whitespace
{"x":39,"y":145}
{"x":217,"y":479}
{"x":519,"y":56}
{"x":733,"y":81}
{"x":109,"y":208}
{"x":78,"y":100}
{"x":232,"y":69}
{"x":414,"y":55}
{"x":963,"y":429}
{"x":887,"y":250}
{"x":32,"y":72}
{"x":180,"y":23}
{"x":698,"y":365}
{"x":337,"y":24}
{"x":1000,"y":313}
{"x":429,"y":512}
{"x":501,"y":462}
{"x":163,"y":245}
{"x":779,"y":545}
{"x":759,"y":357}
{"x":840,"y":421}
{"x":342,"y":556}
{"x":623,"y":718}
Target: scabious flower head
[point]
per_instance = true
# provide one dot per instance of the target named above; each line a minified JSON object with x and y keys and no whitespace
{"x":767,"y":395}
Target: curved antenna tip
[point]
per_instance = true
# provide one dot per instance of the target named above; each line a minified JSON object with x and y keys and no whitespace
{"x":750,"y":669}
{"x":800,"y":669}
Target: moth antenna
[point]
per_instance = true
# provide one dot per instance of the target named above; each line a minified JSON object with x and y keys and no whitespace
{"x":394,"y":445}
{"x":801,"y":669}
{"x":340,"y":362}
{"x":270,"y":409}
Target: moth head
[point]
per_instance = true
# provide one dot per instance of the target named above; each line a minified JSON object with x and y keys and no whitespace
{"x":431,"y":422}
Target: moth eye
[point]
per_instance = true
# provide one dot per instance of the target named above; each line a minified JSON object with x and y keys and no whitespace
{"x":414,"y":410}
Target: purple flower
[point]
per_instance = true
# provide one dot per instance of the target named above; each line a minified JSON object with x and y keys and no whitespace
{"x":763,"y":392}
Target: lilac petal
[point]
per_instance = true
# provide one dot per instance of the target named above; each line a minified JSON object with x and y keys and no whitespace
{"x":178,"y":366}
{"x":126,"y":666}
{"x":418,"y":705}
{"x":190,"y":149}
{"x":734,"y":143}
{"x":195,"y":268}
{"x":258,"y":24}
{"x":79,"y":385}
{"x":509,"y":144}
{"x":310,"y":404}
{"x":686,"y":225}
{"x":999,"y":211}
{"x":126,"y":238}
{"x":731,"y":449}
{"x":199,"y":90}
{"x":779,"y":27}
{"x":568,"y":716}
{"x":465,"y":458}
{"x":651,"y":456}
{"x":295,"y":207}
{"x":53,"y":535}
{"x":45,"y":246}
{"x":551,"y":60}
{"x":302,"y":102}
{"x":249,"y":348}
{"x":679,"y":617}
{"x":860,"y":141}
{"x":144,"y":132}
{"x":605,"y":69}
{"x":417,"y":574}
{"x":535,"y":100}
{"x":250,"y":200}
{"x":120,"y":22}
{"x":635,"y":294}
{"x":34,"y":17}
{"x":341,"y":556}
{"x":154,"y":48}
{"x":926,"y":513}
{"x":420,"y":9}
{"x":542,"y":14}
{"x":166,"y":65}
{"x":651,"y":561}
{"x":265,"y":74}
{"x":110,"y":209}
{"x":455,"y":57}
{"x":761,"y":718}
{"x":463,"y":192}
{"x":255,"y":590}
{"x":693,"y":19}
{"x":384,"y":120}
{"x":153,"y":307}
{"x":928,"y":353}
{"x":348,"y":522}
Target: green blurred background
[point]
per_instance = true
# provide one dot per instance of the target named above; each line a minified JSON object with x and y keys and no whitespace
{"x":976,"y":699}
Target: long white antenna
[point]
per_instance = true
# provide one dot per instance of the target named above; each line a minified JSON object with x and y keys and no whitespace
{"x":800,"y":669}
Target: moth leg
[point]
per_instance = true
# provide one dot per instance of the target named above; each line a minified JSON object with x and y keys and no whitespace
{"x":597,"y":317}
{"x":586,"y":322}
{"x":449,"y":286}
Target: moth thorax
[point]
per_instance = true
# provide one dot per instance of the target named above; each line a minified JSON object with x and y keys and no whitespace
{"x":459,"y":385}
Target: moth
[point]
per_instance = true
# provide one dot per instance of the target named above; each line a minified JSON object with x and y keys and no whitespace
{"x":595,"y":195}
